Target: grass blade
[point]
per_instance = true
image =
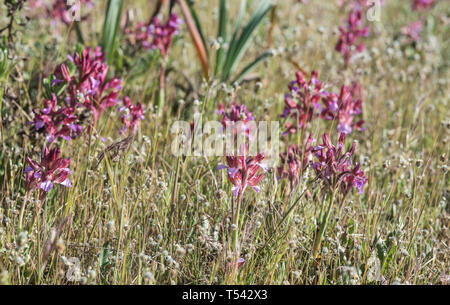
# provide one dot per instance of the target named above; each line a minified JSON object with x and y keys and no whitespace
{"x":239,"y":45}
{"x":250,"y":66}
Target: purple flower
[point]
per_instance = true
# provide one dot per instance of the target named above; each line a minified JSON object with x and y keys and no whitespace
{"x":62,"y":11}
{"x":244,"y":171}
{"x":344,"y":107}
{"x":335,"y":167}
{"x":423,"y":4}
{"x":350,"y":34}
{"x":89,"y":88}
{"x":295,"y":161}
{"x":57,"y":121}
{"x":413,"y":30}
{"x":302,"y":101}
{"x":155,"y":35}
{"x":237,"y":117}
{"x":52,"y":169}
{"x":135,"y":115}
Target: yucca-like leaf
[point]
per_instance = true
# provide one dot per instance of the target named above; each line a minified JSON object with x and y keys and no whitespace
{"x":222,"y":33}
{"x":239,"y":44}
{"x":110,"y":27}
{"x":241,"y":13}
{"x":250,"y":66}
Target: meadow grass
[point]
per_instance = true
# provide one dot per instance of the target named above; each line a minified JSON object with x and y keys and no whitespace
{"x":149,"y":217}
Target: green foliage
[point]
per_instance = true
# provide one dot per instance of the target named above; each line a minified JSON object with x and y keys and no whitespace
{"x":110,"y":27}
{"x":227,"y":60}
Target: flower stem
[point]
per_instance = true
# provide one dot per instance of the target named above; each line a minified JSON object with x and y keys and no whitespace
{"x":235,"y":240}
{"x":236,"y":223}
{"x":22,"y":212}
{"x":323,"y":225}
{"x":162,"y":80}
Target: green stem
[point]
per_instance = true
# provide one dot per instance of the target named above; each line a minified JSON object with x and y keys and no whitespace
{"x":162,"y":80}
{"x":323,"y":225}
{"x":79,"y":33}
{"x":22,"y":212}
{"x":236,"y":223}
{"x":235,"y":240}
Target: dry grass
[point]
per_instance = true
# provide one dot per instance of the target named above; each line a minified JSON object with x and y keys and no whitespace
{"x":150,"y":217}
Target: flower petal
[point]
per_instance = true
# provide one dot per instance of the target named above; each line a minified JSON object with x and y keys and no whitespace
{"x":221,"y":166}
{"x":46,"y":186}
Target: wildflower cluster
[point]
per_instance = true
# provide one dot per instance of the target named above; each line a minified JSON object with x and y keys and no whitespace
{"x":335,"y":167}
{"x":413,"y":30}
{"x":302,"y":101}
{"x":89,"y":87}
{"x":244,"y":171}
{"x":62,"y":10}
{"x":295,"y":161}
{"x":423,"y":4}
{"x":344,"y":107}
{"x":236,"y":114}
{"x":77,"y":90}
{"x":306,"y":101}
{"x":43,"y":175}
{"x":347,"y":43}
{"x":155,"y":35}
{"x":132,"y":115}
{"x":58,"y":121}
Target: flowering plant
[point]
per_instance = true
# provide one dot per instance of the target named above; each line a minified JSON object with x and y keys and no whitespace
{"x":131,"y":119}
{"x":50,"y":170}
{"x":336,"y":169}
{"x":243,"y":171}
{"x":236,"y":114}
{"x":423,"y":4}
{"x":413,"y":31}
{"x":302,"y":101}
{"x":347,"y":43}
{"x":295,"y":161}
{"x":344,"y":107}
{"x":154,"y":35}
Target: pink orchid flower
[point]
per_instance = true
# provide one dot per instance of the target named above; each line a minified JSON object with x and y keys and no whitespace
{"x":52,"y":169}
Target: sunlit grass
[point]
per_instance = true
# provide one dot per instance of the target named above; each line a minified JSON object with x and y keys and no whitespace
{"x":148,"y":217}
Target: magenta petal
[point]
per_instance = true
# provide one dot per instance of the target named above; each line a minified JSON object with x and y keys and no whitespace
{"x":235,"y":190}
{"x":264,"y":166}
{"x":66,"y":183}
{"x":256,"y":188}
{"x":46,"y":186}
{"x":39,"y":125}
{"x":221,"y":166}
{"x":344,"y":128}
{"x":232,"y":171}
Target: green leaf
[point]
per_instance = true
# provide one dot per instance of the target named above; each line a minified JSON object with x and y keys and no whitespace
{"x":252,"y":65}
{"x":104,"y":255}
{"x":351,"y":226}
{"x":112,"y":21}
{"x":388,"y":258}
{"x":239,"y":19}
{"x":239,"y":45}
{"x":222,"y":33}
